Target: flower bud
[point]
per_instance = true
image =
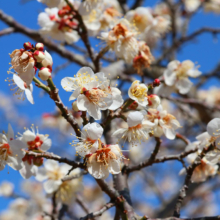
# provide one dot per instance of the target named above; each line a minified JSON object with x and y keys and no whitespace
{"x":156,"y":82}
{"x":48,"y":61}
{"x":39,"y":46}
{"x":39,"y":56}
{"x":154,"y":101}
{"x":75,"y":107}
{"x":27,"y":46}
{"x":44,"y":73}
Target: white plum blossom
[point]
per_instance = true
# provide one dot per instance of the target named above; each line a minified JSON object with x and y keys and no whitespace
{"x":23,"y":64}
{"x":163,"y":123}
{"x":192,"y":5}
{"x":23,"y":88}
{"x":141,"y":17}
{"x":137,"y":130}
{"x":10,"y":150}
{"x":52,"y":174}
{"x":212,"y":6}
{"x":88,"y":142}
{"x":57,"y":28}
{"x":212,"y":136}
{"x":107,"y":159}
{"x":138,"y":92}
{"x":93,"y":92}
{"x":202,"y":171}
{"x":122,"y":40}
{"x":177,"y":74}
{"x":6,"y":188}
{"x":88,"y":5}
{"x":36,"y":142}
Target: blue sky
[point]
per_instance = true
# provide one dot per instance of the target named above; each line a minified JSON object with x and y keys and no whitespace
{"x":204,"y":50}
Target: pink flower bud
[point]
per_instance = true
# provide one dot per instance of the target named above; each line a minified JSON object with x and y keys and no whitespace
{"x":38,"y":161}
{"x":27,"y":46}
{"x":39,"y":56}
{"x":44,"y":73}
{"x":154,"y":101}
{"x":156,"y":82}
{"x":39,"y":46}
{"x":75,"y":107}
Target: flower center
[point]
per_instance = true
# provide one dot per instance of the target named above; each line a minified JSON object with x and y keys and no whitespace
{"x":4,"y":152}
{"x":35,"y":144}
{"x":138,"y":91}
{"x":104,"y":155}
{"x":120,"y":30}
{"x":96,"y":96}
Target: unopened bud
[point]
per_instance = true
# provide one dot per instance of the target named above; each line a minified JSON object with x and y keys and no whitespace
{"x":153,"y":101}
{"x":44,"y":73}
{"x":156,"y":82}
{"x":27,"y":46}
{"x":48,"y":61}
{"x":39,"y":46}
{"x":75,"y":107}
{"x":39,"y":56}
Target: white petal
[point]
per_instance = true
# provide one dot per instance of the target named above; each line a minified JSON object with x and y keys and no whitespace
{"x":51,"y":186}
{"x":82,"y":102}
{"x":85,"y":71}
{"x":117,"y":99}
{"x":48,"y":60}
{"x":194,"y":73}
{"x":169,"y":77}
{"x":16,"y":147}
{"x":75,"y":94}
{"x":51,"y":165}
{"x":28,"y":170}
{"x":41,"y":174}
{"x":19,"y":82}
{"x":93,"y":110}
{"x":14,"y":163}
{"x":135,"y":118}
{"x":10,"y":132}
{"x":28,"y":136}
{"x":184,"y":85}
{"x":69,"y":83}
{"x":29,"y":95}
{"x":114,"y":166}
{"x":64,"y":169}
{"x":46,"y":144}
{"x":213,"y":127}
{"x":169,"y":133}
{"x":93,"y":131}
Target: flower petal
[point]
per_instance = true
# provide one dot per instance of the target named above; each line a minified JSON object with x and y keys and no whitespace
{"x":213,"y":127}
{"x":51,"y":186}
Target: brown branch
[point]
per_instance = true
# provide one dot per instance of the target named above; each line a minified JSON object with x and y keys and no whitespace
{"x":185,"y":39}
{"x":37,"y":37}
{"x":7,"y":31}
{"x":67,"y":178}
{"x":52,"y":156}
{"x":83,"y":33}
{"x":82,"y":205}
{"x":189,"y":173}
{"x":174,"y":218}
{"x":91,"y":216}
{"x":149,"y":161}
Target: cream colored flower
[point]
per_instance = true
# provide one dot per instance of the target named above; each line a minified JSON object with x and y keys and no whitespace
{"x":107,"y":159}
{"x":138,"y":92}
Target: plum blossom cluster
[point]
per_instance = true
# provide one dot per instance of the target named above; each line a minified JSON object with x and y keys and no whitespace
{"x":92,"y":92}
{"x":13,"y":150}
{"x":25,"y":62}
{"x":101,"y":158}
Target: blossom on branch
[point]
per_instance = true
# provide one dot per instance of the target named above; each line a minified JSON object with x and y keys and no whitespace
{"x":33,"y":141}
{"x":177,"y":74}
{"x":93,"y":92}
{"x":163,"y":123}
{"x":10,"y":150}
{"x":52,"y":173}
{"x":138,"y":129}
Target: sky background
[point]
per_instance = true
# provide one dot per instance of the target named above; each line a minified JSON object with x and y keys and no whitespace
{"x":205,"y":50}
